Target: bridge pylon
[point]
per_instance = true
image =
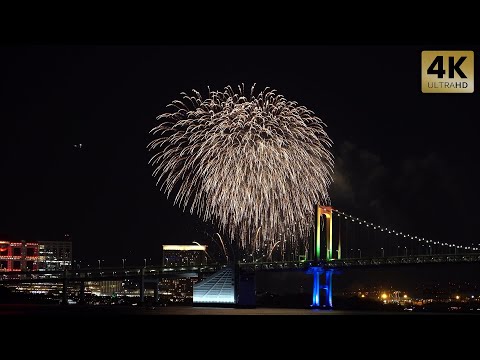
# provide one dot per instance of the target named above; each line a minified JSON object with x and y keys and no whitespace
{"x":323,"y":251}
{"x":322,"y":287}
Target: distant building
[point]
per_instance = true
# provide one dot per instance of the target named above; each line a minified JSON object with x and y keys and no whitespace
{"x":184,"y":255}
{"x":54,"y":255}
{"x":103,"y":288}
{"x":219,"y":288}
{"x":18,"y":256}
{"x":180,"y":290}
{"x":177,"y":290}
{"x":32,"y":256}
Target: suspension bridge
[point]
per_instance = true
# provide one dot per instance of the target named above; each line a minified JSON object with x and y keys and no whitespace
{"x":381,"y":246}
{"x":345,"y":241}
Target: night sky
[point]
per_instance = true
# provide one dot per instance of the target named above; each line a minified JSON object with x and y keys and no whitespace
{"x":403,"y":158}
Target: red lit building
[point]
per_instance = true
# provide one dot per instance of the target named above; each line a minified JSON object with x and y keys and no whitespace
{"x":18,"y":256}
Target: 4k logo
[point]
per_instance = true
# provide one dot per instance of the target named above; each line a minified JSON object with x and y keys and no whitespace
{"x":447,"y":71}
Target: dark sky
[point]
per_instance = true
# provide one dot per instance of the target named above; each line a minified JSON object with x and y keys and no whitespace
{"x":403,"y":158}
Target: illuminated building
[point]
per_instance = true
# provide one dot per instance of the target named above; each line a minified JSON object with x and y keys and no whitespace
{"x":54,"y":255}
{"x":177,"y":289}
{"x":184,"y":255}
{"x":42,"y":255}
{"x":218,"y":288}
{"x":181,"y":289}
{"x":102,"y":288}
{"x":18,"y":256}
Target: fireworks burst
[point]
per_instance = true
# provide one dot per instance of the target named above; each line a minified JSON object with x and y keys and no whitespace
{"x":253,"y":164}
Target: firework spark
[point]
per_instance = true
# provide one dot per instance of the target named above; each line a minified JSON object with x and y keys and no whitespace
{"x":249,"y":163}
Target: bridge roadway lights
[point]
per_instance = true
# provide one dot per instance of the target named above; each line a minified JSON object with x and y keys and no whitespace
{"x":322,"y":287}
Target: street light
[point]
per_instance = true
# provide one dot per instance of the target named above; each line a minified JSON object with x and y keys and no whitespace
{"x":99,"y":263}
{"x":360,"y":253}
{"x":123,"y":263}
{"x":383,"y":252}
{"x":406,"y":251}
{"x":145,"y":262}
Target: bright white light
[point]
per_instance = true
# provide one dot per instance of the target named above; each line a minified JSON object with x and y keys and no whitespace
{"x":184,"y":247}
{"x":218,"y":288}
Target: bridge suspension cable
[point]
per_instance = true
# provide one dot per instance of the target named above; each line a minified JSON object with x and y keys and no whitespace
{"x":397,"y":233}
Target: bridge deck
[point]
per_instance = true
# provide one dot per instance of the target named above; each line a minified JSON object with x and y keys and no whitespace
{"x":365,"y":262}
{"x":152,"y":272}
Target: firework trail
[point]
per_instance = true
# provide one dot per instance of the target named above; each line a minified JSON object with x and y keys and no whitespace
{"x":249,"y":163}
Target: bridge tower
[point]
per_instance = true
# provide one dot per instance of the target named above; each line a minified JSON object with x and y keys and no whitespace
{"x":323,"y":251}
{"x":325,"y":211}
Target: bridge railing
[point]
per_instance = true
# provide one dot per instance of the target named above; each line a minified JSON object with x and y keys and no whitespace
{"x":107,"y":273}
{"x":377,"y":261}
{"x":117,"y":273}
